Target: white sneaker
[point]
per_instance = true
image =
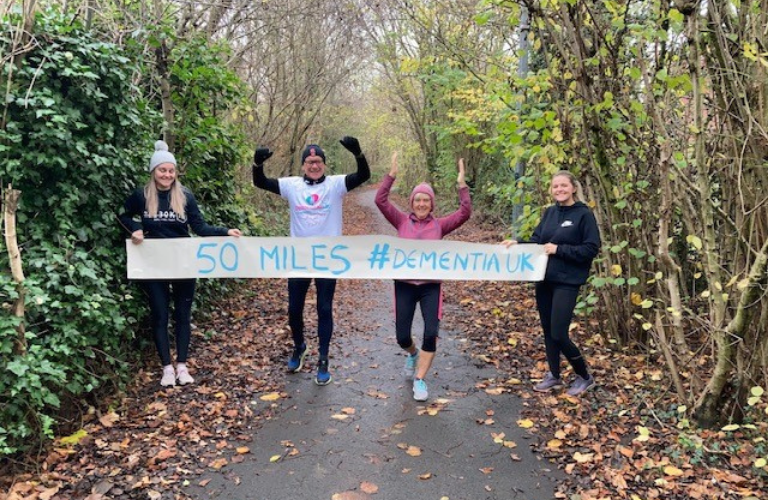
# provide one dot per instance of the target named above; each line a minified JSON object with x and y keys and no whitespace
{"x":182,"y":374}
{"x":169,"y":376}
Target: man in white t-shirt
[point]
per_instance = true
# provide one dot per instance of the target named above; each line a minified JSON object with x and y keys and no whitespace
{"x":315,"y":201}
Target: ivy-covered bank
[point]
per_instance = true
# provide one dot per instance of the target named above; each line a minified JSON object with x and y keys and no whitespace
{"x":78,"y":122}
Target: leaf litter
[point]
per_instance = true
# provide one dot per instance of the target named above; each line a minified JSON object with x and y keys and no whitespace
{"x":623,"y":440}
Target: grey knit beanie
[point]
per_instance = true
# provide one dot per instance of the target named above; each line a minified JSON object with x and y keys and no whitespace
{"x":161,"y":155}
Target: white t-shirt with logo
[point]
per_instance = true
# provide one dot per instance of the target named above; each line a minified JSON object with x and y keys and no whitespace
{"x":315,"y":208}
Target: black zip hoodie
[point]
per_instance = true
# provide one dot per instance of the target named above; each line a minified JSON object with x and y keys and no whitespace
{"x":574,"y":230}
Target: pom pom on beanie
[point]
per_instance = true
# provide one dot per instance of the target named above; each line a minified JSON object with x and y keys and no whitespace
{"x":161,"y":155}
{"x":423,"y":188}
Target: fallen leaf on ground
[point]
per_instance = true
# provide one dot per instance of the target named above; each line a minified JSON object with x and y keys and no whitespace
{"x":413,"y":451}
{"x":219,"y":463}
{"x":109,"y":419}
{"x":368,"y":487}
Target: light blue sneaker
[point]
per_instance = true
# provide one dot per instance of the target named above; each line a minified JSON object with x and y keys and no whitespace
{"x":297,"y":358}
{"x":411,"y":361}
{"x":420,"y":390}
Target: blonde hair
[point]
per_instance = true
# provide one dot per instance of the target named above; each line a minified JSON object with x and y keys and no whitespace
{"x":579,"y":194}
{"x":178,"y":199}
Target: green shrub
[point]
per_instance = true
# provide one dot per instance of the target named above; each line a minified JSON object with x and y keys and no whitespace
{"x":72,"y":121}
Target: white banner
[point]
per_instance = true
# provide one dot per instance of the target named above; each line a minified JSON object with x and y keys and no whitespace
{"x":357,"y":257}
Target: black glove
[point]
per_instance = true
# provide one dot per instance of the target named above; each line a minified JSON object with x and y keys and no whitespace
{"x":261,"y":155}
{"x":352,"y":145}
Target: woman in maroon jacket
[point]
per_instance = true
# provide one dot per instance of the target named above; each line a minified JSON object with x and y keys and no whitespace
{"x":420,"y":224}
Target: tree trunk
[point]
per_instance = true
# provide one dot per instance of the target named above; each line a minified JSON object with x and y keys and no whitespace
{"x":165,"y":94}
{"x":10,"y":205}
{"x":708,"y":408}
{"x":162,"y":53}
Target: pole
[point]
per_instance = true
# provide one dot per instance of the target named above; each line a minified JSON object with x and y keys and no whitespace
{"x":522,"y":72}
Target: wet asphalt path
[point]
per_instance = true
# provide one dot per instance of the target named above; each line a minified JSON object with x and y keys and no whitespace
{"x":364,"y":437}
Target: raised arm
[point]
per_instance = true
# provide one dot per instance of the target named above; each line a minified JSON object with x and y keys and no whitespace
{"x":393,"y":167}
{"x":453,"y":221}
{"x":260,"y":180}
{"x":390,"y":212}
{"x":460,"y":179}
{"x":351,"y":181}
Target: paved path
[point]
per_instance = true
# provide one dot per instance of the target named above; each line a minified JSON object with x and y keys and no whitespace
{"x":364,"y":437}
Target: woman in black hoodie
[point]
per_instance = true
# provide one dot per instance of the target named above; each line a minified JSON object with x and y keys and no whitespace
{"x":164,"y":208}
{"x":568,"y":230}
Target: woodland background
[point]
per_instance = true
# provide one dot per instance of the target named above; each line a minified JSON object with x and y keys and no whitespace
{"x":658,"y":106}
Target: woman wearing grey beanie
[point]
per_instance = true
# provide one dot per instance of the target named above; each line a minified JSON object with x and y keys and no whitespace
{"x":167,"y":209}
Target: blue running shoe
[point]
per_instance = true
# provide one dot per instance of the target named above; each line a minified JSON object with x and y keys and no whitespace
{"x":410,"y":365}
{"x":323,"y":376}
{"x":420,"y":390}
{"x":297,"y":358}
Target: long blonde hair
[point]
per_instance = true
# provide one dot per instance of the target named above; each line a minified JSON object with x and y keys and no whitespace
{"x":178,"y":199}
{"x":579,"y":194}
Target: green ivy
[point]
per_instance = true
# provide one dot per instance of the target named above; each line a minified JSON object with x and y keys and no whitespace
{"x":73,"y":123}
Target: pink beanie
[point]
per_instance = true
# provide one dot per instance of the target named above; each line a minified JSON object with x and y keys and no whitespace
{"x":423,"y":188}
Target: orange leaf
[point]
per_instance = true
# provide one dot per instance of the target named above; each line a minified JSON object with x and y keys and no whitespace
{"x":219,"y":463}
{"x":413,"y":451}
{"x":165,"y":455}
{"x":48,"y":493}
{"x":109,"y":419}
{"x":368,"y":487}
{"x":272,"y":396}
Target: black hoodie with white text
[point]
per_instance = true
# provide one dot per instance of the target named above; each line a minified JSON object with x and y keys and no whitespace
{"x":574,"y":230}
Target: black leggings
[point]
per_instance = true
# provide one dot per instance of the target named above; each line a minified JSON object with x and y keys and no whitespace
{"x":159,"y":294}
{"x":297,"y":295}
{"x":556,"y":302}
{"x":407,"y":295}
